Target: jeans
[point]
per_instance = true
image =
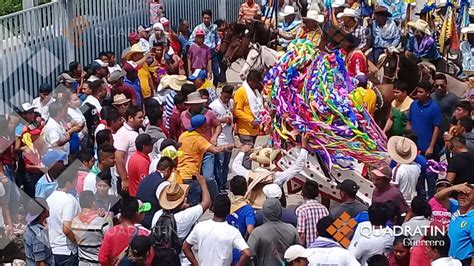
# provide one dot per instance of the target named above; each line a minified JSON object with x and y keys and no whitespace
{"x":215,"y":67}
{"x":247,"y":140}
{"x":222,"y":68}
{"x":194,"y":194}
{"x":207,"y":170}
{"x":222,"y":168}
{"x":429,"y":178}
{"x":66,"y":260}
{"x":12,"y":192}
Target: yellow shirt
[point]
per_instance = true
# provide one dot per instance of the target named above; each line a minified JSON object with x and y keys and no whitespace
{"x":144,"y":76}
{"x":243,"y":114}
{"x":193,"y":146}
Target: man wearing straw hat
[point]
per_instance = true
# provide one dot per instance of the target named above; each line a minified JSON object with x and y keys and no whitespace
{"x":311,"y":30}
{"x":289,"y":27}
{"x":386,"y":33}
{"x":405,"y":175}
{"x":421,"y":44}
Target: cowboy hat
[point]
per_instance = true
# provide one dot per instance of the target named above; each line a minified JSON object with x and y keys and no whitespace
{"x":195,"y":98}
{"x":348,"y":12}
{"x":314,"y":15}
{"x":120,"y":99}
{"x":381,"y":10}
{"x":402,"y":150}
{"x":136,"y":48}
{"x":468,"y":29}
{"x":288,"y":10}
{"x":178,"y":81}
{"x":338,"y":3}
{"x":116,"y":76}
{"x":420,"y":25}
{"x":265,"y":156}
{"x":173,"y":195}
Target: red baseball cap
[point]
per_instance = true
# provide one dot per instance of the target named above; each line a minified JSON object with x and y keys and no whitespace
{"x":133,"y":37}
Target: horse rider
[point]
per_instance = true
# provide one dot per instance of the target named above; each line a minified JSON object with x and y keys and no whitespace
{"x":288,"y":28}
{"x":386,"y":33}
{"x":350,"y":22}
{"x":310,"y":29}
{"x":337,"y":6}
{"x":356,"y":61}
{"x":467,"y":48}
{"x":421,"y":44}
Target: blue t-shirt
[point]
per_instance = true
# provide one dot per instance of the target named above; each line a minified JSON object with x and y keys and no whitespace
{"x":240,"y":219}
{"x":461,"y":231}
{"x":423,"y":120}
{"x":45,"y":187}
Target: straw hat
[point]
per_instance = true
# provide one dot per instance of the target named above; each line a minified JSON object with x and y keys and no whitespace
{"x":288,"y":10}
{"x":468,"y":29}
{"x":173,"y":195}
{"x":120,"y":99}
{"x":314,"y":15}
{"x":178,"y":81}
{"x":136,"y":48}
{"x":402,"y":150}
{"x":265,"y":156}
{"x":195,"y":98}
{"x":420,"y":25}
{"x":348,"y":12}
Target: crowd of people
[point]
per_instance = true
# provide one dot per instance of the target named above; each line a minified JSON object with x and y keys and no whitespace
{"x":118,"y":164}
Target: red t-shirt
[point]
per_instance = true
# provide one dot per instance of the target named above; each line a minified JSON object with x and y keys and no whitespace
{"x":126,"y":90}
{"x":138,"y":167}
{"x":357,"y":63}
{"x":6,"y":150}
{"x":116,"y":240}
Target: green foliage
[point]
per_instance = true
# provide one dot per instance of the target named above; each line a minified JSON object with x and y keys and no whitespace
{"x":9,"y":6}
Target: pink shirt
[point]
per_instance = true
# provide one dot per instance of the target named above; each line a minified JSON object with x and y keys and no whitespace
{"x":211,"y":122}
{"x":81,"y":175}
{"x":440,"y":215}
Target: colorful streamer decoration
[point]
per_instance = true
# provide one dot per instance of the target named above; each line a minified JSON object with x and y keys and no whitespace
{"x":310,"y":91}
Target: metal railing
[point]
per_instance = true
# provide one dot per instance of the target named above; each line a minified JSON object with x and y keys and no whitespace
{"x":37,"y":44}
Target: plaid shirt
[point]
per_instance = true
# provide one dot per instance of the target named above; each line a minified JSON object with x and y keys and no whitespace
{"x":363,"y":34}
{"x":308,"y":216}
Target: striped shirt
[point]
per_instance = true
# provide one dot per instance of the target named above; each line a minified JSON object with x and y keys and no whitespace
{"x":169,"y":106}
{"x":89,"y":230}
{"x":248,"y":12}
{"x":308,"y":216}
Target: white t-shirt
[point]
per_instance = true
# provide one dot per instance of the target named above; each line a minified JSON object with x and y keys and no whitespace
{"x":185,"y":219}
{"x":62,"y":207}
{"x":93,"y":100}
{"x":446,"y":261}
{"x":2,"y":193}
{"x":42,"y":109}
{"x":332,"y":256}
{"x":76,"y":115}
{"x":124,"y":140}
{"x":223,"y":111}
{"x":406,"y":177}
{"x":214,"y":241}
{"x":374,"y":241}
{"x":53,"y":132}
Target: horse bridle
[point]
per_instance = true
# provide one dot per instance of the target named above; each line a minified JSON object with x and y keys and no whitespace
{"x":395,"y":74}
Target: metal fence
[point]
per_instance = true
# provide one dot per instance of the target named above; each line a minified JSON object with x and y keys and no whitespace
{"x":36,"y":45}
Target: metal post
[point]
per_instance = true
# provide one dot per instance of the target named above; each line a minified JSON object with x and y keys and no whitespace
{"x":275,"y":9}
{"x":222,"y":12}
{"x":29,"y":4}
{"x":68,"y":8}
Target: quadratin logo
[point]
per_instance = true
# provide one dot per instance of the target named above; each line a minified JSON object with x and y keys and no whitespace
{"x":341,"y":228}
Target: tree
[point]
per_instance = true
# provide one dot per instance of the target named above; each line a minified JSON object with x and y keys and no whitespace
{"x":9,"y":6}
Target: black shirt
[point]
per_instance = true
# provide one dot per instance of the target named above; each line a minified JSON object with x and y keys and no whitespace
{"x":462,"y":165}
{"x":147,"y":193}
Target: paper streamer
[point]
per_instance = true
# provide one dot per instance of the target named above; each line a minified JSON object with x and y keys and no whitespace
{"x":310,"y":91}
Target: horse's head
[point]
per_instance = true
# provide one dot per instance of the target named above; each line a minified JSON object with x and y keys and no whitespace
{"x":391,"y":65}
{"x":238,"y":47}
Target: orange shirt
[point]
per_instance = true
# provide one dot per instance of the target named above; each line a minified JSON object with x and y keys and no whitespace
{"x":243,"y":114}
{"x":248,"y":12}
{"x":193,"y":146}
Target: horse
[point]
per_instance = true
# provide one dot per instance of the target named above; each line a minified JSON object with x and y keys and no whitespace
{"x":259,"y":57}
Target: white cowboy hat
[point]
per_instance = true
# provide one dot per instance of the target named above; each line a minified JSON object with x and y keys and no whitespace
{"x":178,"y":81}
{"x":348,"y":12}
{"x":338,"y":3}
{"x":420,"y":25}
{"x":402,"y":150}
{"x":288,"y":10}
{"x":314,"y":15}
{"x":468,"y":29}
{"x":136,"y":48}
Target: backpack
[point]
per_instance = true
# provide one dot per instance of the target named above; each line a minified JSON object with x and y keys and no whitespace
{"x":167,"y":245}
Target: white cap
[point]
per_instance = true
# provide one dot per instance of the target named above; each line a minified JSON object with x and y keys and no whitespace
{"x":101,"y":63}
{"x":272,"y":191}
{"x":296,"y":251}
{"x":158,"y":26}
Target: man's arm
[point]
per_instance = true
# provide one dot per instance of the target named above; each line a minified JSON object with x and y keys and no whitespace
{"x":217,"y":129}
{"x":68,"y":232}
{"x":295,"y":168}
{"x":434,"y":139}
{"x":218,"y":149}
{"x":244,"y":257}
{"x":120,"y":163}
{"x":443,"y":195}
{"x":206,"y":197}
{"x":237,"y":167}
{"x":189,"y":253}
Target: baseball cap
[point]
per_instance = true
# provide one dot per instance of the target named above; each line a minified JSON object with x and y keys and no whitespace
{"x":140,"y":245}
{"x":443,"y":182}
{"x":171,"y":152}
{"x":158,"y":26}
{"x":198,"y":74}
{"x":133,"y":37}
{"x":50,"y":158}
{"x":164,"y":21}
{"x":348,"y":186}
{"x":169,"y":142}
{"x":272,"y":191}
{"x":101,"y":63}
{"x":384,"y":171}
{"x":143,"y":206}
{"x":296,"y":251}
{"x":197,"y":121}
{"x":95,"y":66}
